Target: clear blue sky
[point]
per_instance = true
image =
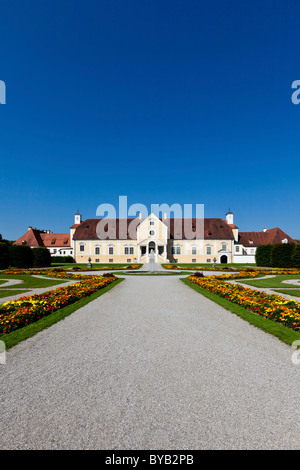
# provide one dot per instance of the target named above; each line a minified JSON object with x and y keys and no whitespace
{"x":160,"y":100}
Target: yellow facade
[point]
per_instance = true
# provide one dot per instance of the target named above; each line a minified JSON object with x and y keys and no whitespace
{"x":152,"y":234}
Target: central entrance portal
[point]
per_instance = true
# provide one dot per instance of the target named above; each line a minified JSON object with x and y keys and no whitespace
{"x":152,"y":246}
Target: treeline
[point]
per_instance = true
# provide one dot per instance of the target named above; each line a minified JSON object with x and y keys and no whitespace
{"x":282,"y":255}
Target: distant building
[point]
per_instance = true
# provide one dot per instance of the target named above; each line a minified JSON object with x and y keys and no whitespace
{"x":57,"y":243}
{"x":220,"y":240}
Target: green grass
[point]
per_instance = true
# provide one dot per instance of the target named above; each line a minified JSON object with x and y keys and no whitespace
{"x":31,"y":282}
{"x":210,"y":265}
{"x":15,"y":337}
{"x":69,"y":266}
{"x":273,"y":282}
{"x":281,"y":332}
{"x":8,"y":293}
{"x":294,"y":292}
{"x":186,"y":273}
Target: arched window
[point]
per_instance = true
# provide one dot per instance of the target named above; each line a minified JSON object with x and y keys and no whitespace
{"x":208,"y":250}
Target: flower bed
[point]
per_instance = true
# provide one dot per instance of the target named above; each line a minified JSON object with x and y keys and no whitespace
{"x":18,"y":313}
{"x":274,"y":307}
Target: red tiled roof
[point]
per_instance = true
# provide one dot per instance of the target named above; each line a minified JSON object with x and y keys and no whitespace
{"x":36,"y":238}
{"x":56,"y":239}
{"x":269,"y":237}
{"x":214,"y":229}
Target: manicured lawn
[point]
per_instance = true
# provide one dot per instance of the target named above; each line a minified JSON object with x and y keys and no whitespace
{"x":69,"y":266}
{"x":272,"y":282}
{"x":294,"y":292}
{"x":8,"y":293}
{"x":210,"y":265}
{"x":15,"y":337}
{"x":30,"y":282}
{"x":285,"y":334}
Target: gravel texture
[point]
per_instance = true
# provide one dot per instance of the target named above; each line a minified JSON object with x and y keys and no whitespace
{"x":151,"y":364}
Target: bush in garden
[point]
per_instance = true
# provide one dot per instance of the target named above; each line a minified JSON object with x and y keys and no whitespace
{"x":296,"y":256}
{"x":263,"y":255}
{"x":20,"y":256}
{"x":4,"y":256}
{"x":62,"y":259}
{"x":42,"y":257}
{"x":281,"y":255}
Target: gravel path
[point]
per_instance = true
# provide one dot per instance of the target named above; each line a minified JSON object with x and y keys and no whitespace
{"x":151,"y":364}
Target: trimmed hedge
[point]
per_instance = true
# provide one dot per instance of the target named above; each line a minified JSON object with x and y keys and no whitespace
{"x":62,"y":259}
{"x":4,"y":256}
{"x":42,"y":257}
{"x":282,"y":255}
{"x":263,"y":256}
{"x":20,"y":256}
{"x":296,"y":256}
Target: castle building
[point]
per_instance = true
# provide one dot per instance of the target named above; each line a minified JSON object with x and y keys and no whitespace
{"x":208,"y":240}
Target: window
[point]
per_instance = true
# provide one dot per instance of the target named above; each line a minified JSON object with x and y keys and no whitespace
{"x":176,"y":250}
{"x":81,"y":247}
{"x":97,"y":260}
{"x":129,"y":250}
{"x":97,"y":250}
{"x":151,"y":233}
{"x":208,"y":250}
{"x":237,"y":249}
{"x":111,"y":250}
{"x":194,"y":250}
{"x":224,"y":247}
{"x":110,"y":260}
{"x":208,"y":260}
{"x":194,"y":260}
{"x":151,"y":222}
{"x":54,"y":251}
{"x":129,"y":261}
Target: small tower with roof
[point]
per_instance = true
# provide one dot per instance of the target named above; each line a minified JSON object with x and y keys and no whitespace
{"x":229,"y":217}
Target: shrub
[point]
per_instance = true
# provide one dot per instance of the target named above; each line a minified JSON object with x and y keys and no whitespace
{"x":281,"y":255}
{"x":4,"y":256}
{"x":263,"y":255}
{"x":20,"y":256}
{"x":198,"y":274}
{"x":296,"y":256}
{"x":62,"y":259}
{"x":42,"y":257}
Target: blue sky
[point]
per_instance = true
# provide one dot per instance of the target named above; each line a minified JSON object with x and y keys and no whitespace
{"x":165,"y":101}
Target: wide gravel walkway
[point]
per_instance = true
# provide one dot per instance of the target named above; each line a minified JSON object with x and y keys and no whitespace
{"x":151,"y":364}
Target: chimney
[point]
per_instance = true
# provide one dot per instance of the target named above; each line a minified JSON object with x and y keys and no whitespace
{"x":165,"y":215}
{"x":140,"y":216}
{"x":29,"y":228}
{"x":265,"y":229}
